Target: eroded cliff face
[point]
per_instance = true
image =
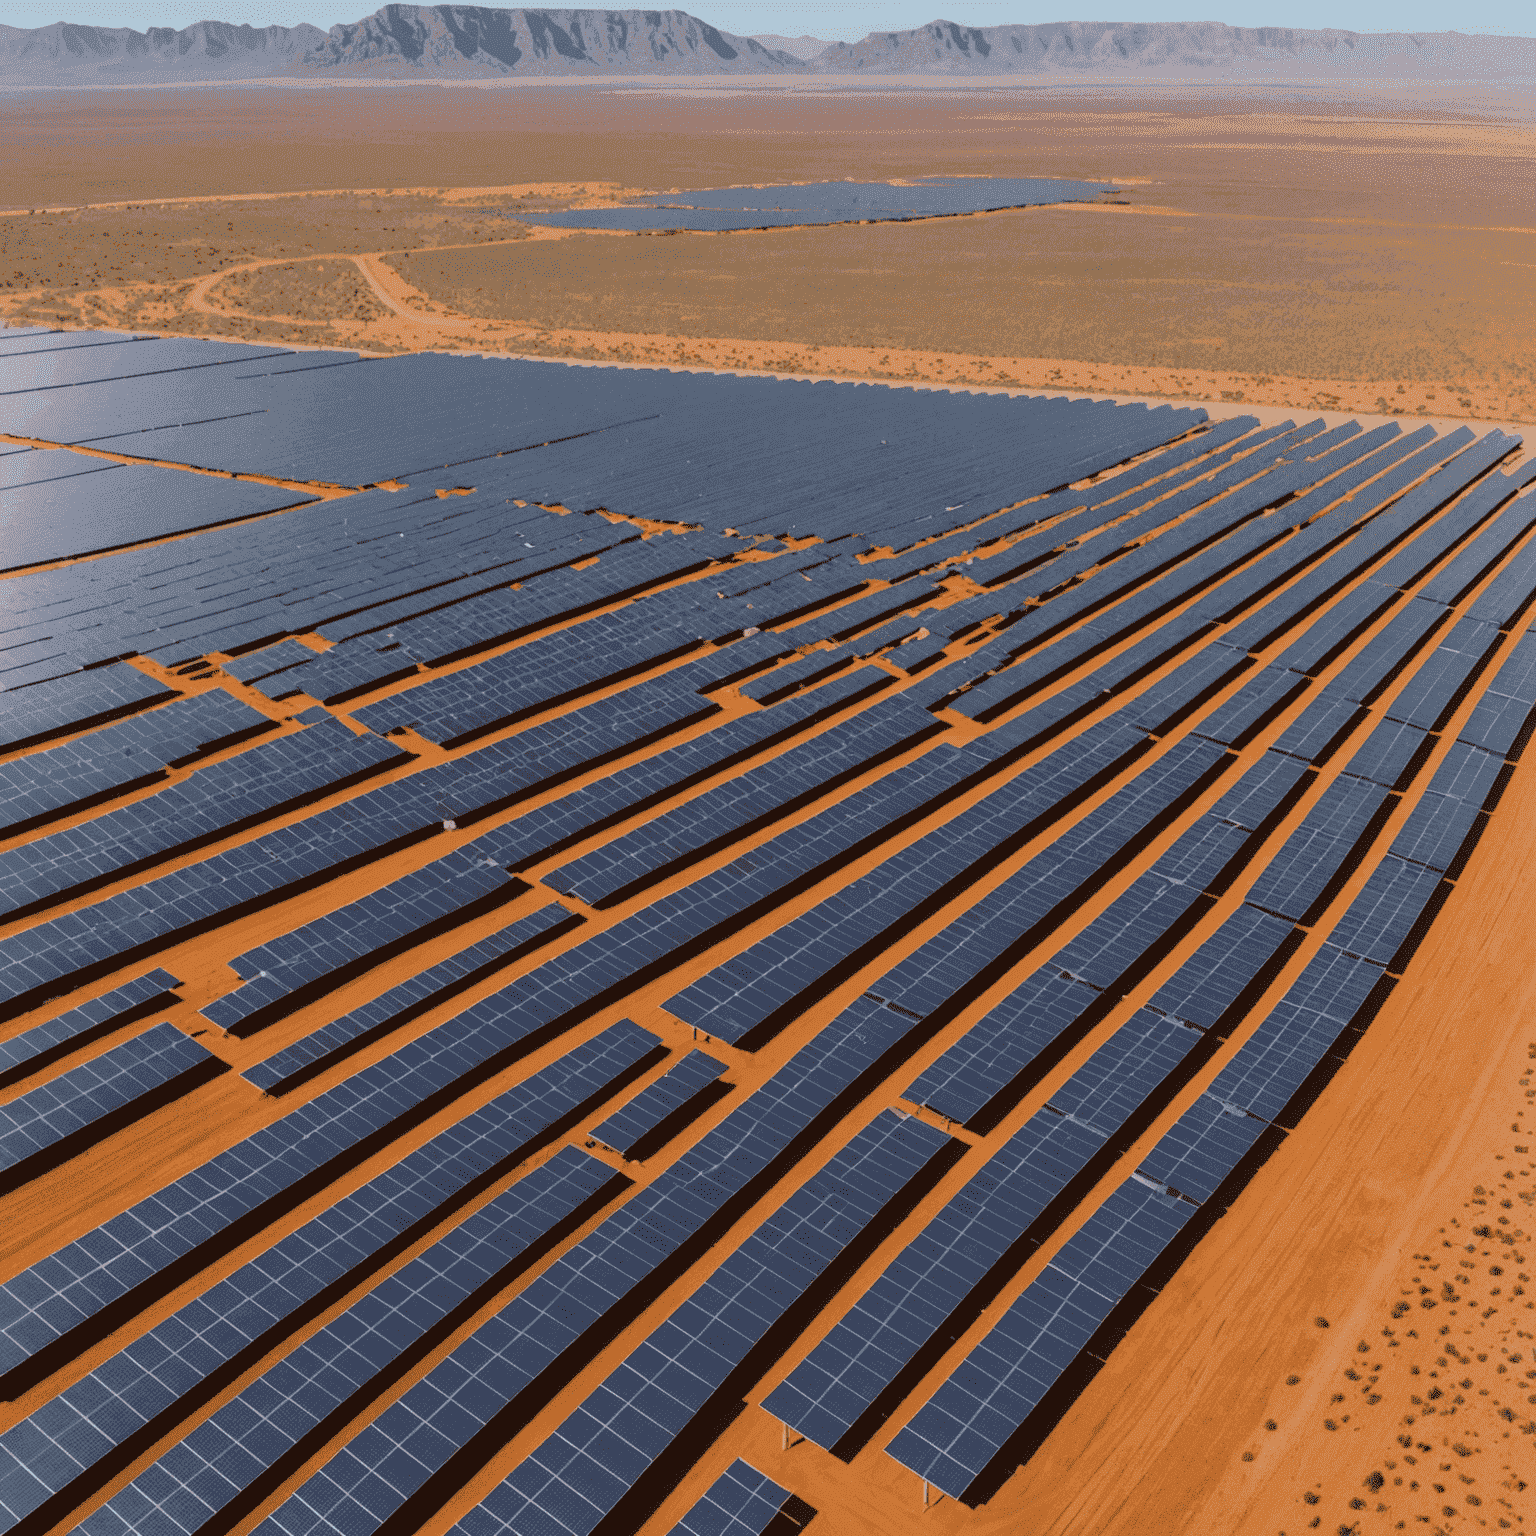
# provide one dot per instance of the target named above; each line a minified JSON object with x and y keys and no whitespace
{"x":460,"y":38}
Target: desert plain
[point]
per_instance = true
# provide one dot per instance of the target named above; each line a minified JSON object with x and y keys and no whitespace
{"x":1336,"y":251}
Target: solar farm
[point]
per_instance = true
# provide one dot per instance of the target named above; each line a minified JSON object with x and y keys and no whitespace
{"x":589,"y":951}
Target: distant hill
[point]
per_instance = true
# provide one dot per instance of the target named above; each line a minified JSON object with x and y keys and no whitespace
{"x":68,"y":54}
{"x":1092,"y":47}
{"x":470,"y":41}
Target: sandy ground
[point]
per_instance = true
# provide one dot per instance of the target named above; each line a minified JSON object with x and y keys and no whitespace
{"x":1351,"y":1347}
{"x":1334,"y":250}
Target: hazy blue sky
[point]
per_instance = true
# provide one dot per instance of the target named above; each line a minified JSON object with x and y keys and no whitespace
{"x":848,"y":20}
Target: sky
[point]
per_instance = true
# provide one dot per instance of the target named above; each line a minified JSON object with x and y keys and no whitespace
{"x":846,"y":20}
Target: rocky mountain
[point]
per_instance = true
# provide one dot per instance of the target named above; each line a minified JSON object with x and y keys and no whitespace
{"x":471,"y":41}
{"x":1201,"y":47}
{"x":68,"y":54}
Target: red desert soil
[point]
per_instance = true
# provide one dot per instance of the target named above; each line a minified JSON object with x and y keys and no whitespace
{"x":1382,"y":1256}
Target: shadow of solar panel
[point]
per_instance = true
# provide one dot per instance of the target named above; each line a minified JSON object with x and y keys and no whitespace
{"x":61,"y":1118}
{"x":79,"y":1439}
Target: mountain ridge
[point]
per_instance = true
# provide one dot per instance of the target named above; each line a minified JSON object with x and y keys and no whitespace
{"x":402,"y":41}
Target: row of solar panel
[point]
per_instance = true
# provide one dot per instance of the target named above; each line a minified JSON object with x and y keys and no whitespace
{"x":544,"y":393}
{"x":1130,"y":597}
{"x":961,"y":1432}
{"x":76,"y":775}
{"x":261,"y":782}
{"x":68,"y":1445}
{"x":864,"y":1360}
{"x":48,"y":958}
{"x":237,"y":587}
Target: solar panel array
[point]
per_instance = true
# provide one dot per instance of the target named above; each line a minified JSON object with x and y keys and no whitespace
{"x":824,"y":202}
{"x":690,"y":918}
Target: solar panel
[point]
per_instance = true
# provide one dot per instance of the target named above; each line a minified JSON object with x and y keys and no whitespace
{"x":912,"y":1308}
{"x":288,"y":1409}
{"x":60,"y":1118}
{"x":1315,"y":855}
{"x":36,"y":1048}
{"x":286,"y":971}
{"x":750,"y":990}
{"x":1132,"y":600}
{"x":717,"y":816}
{"x":654,"y":1105}
{"x":740,"y":1502}
{"x":1382,"y":916}
{"x":486,"y":1375}
{"x":53,"y":708}
{"x":333,"y":1042}
{"x":1296,"y":1035}
{"x":1228,"y":967}
{"x":260,"y":782}
{"x":956,"y":1434}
